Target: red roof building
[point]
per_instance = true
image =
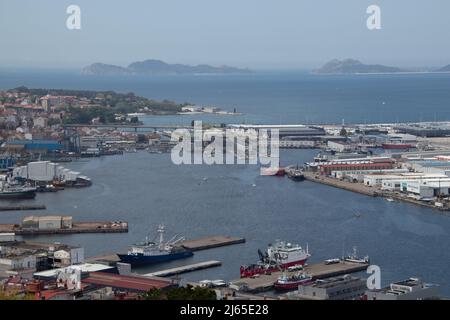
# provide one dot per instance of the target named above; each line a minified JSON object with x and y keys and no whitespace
{"x":127,"y":283}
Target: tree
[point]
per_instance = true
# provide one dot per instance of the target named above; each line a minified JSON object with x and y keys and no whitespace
{"x":182,"y":293}
{"x":153,"y":294}
{"x":343,"y":132}
{"x":14,"y":296}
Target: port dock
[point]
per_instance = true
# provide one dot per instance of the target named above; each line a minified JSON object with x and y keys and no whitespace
{"x":184,"y":269}
{"x":22,"y":208}
{"x":317,"y":271}
{"x":204,"y":243}
{"x":211,"y":242}
{"x":369,"y":191}
{"x":77,"y":227}
{"x":354,"y":187}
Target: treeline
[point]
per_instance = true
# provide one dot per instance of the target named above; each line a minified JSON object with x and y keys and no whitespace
{"x":182,"y":293}
{"x":112,"y":102}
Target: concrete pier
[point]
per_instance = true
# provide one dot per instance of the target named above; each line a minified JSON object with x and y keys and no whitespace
{"x":184,"y":269}
{"x":77,"y":227}
{"x":354,"y":187}
{"x":22,"y":208}
{"x":211,"y":242}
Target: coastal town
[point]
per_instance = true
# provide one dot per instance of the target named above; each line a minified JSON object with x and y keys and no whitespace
{"x":43,"y":129}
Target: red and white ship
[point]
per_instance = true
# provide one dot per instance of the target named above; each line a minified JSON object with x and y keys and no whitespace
{"x":292,"y":282}
{"x":281,"y":255}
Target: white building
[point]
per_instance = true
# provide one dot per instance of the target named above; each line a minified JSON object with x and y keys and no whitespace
{"x":18,"y":262}
{"x":411,"y":289}
{"x":359,"y":174}
{"x":378,"y":180}
{"x":45,"y":171}
{"x":339,"y":146}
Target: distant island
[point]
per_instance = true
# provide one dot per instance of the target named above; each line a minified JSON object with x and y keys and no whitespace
{"x":444,"y":69}
{"x":351,"y":66}
{"x":157,"y":67}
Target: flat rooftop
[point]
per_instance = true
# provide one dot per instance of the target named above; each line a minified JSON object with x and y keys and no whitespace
{"x":86,"y":267}
{"x":133,"y":283}
{"x":334,"y":282}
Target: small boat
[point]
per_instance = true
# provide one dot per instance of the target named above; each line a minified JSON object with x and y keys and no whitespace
{"x":390,"y":200}
{"x":353,"y":257}
{"x":285,"y":282}
{"x":296,"y":175}
{"x":332,"y":261}
{"x":47,"y":188}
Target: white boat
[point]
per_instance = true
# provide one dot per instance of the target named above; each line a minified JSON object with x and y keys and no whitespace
{"x":353,"y":257}
{"x":332,"y":261}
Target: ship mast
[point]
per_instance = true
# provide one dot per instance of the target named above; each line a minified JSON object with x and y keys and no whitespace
{"x":161,"y":235}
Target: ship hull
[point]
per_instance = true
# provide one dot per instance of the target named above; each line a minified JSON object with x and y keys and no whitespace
{"x":18,"y":195}
{"x":293,"y":285}
{"x":141,"y":260}
{"x":296,"y":177}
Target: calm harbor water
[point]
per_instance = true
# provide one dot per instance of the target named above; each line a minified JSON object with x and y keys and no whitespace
{"x":147,"y":189}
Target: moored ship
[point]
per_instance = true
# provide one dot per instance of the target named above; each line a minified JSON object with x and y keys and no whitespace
{"x":296,"y":174}
{"x":353,"y":257}
{"x":150,"y":252}
{"x":292,"y":282}
{"x":279,"y":256}
{"x":17,"y":192}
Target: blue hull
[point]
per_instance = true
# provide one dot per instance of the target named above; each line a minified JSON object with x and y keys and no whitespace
{"x":141,"y":260}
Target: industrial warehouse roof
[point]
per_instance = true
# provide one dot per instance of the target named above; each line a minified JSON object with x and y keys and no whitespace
{"x":131,"y":283}
{"x":86,"y":267}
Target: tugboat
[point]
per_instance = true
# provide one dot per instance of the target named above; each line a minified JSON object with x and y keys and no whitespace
{"x":150,"y":252}
{"x":279,"y":256}
{"x":285,"y":283}
{"x":296,"y":174}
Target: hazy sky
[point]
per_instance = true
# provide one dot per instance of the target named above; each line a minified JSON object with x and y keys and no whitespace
{"x":247,"y":33}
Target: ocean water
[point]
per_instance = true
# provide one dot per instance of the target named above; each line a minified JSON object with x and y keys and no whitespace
{"x":147,"y":189}
{"x":274,"y":98}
